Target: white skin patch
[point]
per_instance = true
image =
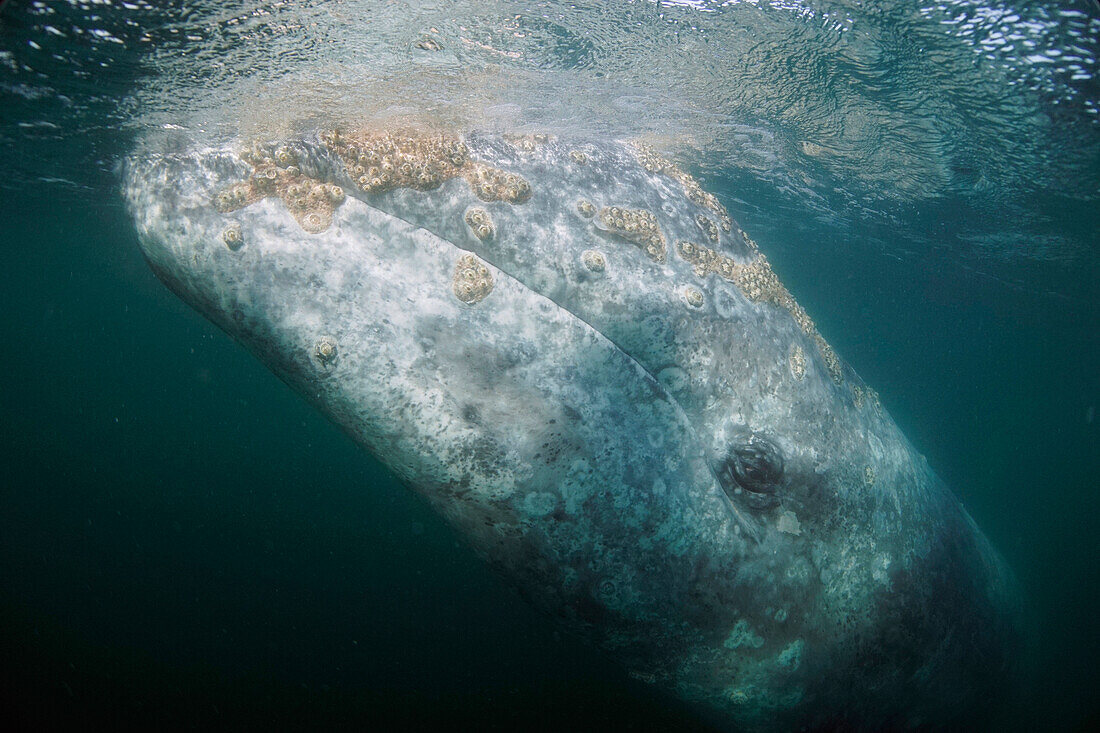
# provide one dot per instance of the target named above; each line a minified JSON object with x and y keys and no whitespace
{"x":539,"y":504}
{"x":791,"y":656}
{"x":788,"y":523}
{"x":743,"y":636}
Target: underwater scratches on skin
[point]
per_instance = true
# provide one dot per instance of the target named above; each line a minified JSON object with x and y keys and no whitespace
{"x":573,"y":351}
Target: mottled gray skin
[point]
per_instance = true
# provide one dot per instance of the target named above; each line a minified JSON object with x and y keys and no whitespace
{"x":576,"y":427}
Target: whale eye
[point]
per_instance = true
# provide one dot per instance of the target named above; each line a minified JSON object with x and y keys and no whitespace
{"x":754,"y":465}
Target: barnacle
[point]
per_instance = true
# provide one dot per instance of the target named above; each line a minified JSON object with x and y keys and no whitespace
{"x":481,"y":223}
{"x":526,"y":143}
{"x":325,"y":350}
{"x":705,"y":260}
{"x":310,"y":201}
{"x":655,"y":163}
{"x":797,"y":361}
{"x":832,"y":361}
{"x":232,"y":236}
{"x":594,"y":260}
{"x":382,"y":161}
{"x":759,"y":283}
{"x":635,"y":225}
{"x":472,"y":281}
{"x":710,"y":229}
{"x":285,"y":157}
{"x":493,"y":184}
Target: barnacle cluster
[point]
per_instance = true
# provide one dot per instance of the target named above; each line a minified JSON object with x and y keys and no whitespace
{"x":379,"y":162}
{"x":493,"y":184}
{"x":578,"y":156}
{"x":235,"y":197}
{"x":710,"y":229}
{"x":526,"y":143}
{"x":312,"y":204}
{"x":799,"y":314}
{"x":635,"y":225}
{"x":857,"y":396}
{"x":749,"y":241}
{"x":275,"y":172}
{"x":869,"y":475}
{"x":759,"y":283}
{"x":797,"y":361}
{"x":472,"y":280}
{"x":756,"y":280}
{"x":656,"y":163}
{"x":832,"y":361}
{"x":586,"y":208}
{"x":705,"y":260}
{"x":480,"y":223}
{"x":376,"y":162}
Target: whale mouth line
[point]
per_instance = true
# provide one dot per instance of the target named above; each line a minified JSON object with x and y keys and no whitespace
{"x":527,"y":286}
{"x":750,"y":528}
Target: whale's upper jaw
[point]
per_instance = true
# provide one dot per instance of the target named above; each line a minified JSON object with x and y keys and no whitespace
{"x":593,"y":373}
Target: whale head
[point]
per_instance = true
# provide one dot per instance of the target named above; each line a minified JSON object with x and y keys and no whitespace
{"x":577,"y":356}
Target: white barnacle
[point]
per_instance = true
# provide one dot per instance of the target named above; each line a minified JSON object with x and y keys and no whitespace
{"x":797,"y":361}
{"x":594,"y":260}
{"x":472,"y":281}
{"x":232,"y":236}
{"x":481,"y":223}
{"x":284,"y":156}
{"x":325,"y":351}
{"x":223,"y":201}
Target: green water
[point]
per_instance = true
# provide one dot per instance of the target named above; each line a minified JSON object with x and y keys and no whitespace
{"x":184,"y":541}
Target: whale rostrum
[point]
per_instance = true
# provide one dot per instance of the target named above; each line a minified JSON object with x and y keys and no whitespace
{"x":576,"y":355}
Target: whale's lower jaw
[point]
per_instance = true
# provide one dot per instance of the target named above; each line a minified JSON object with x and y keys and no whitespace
{"x":592,"y":373}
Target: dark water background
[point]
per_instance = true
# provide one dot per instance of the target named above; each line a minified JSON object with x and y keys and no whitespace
{"x":184,"y":542}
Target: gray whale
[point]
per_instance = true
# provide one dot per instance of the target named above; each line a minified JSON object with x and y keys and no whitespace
{"x":583,"y":363}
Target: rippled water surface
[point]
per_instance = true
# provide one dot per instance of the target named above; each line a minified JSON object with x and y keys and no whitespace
{"x":179,"y":535}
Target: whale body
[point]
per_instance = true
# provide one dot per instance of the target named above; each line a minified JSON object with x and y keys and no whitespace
{"x":582,"y":362}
